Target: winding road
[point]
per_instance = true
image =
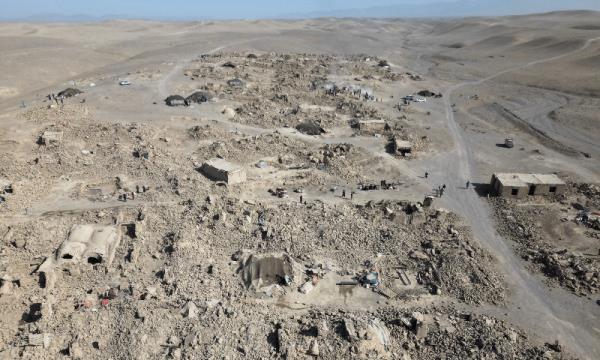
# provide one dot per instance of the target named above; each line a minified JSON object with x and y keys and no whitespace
{"x":551,"y":313}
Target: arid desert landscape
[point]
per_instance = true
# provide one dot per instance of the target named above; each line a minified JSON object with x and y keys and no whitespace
{"x":301,"y":189}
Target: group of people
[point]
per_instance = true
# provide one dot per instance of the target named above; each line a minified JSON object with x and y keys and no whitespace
{"x":56,"y":98}
{"x":440,"y":190}
{"x":344,"y":194}
{"x":127,"y":196}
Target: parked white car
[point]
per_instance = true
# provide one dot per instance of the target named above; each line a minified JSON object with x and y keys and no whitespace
{"x":420,"y":99}
{"x":124,"y":82}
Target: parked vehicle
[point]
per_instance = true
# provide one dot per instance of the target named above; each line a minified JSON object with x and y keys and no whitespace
{"x":508,"y":142}
{"x":124,"y":82}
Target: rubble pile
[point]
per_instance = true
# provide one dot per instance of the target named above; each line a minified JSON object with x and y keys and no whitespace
{"x":179,"y":295}
{"x":85,"y":149}
{"x":297,"y":89}
{"x":589,"y":192}
{"x":339,"y":161}
{"x":573,"y":269}
{"x":114,"y":243}
{"x":445,"y":259}
{"x":429,"y":333}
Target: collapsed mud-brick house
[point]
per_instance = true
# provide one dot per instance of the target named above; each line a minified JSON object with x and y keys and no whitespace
{"x":222,"y":170}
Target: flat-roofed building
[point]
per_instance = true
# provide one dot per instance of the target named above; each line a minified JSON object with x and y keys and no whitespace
{"x":401,"y":147}
{"x":522,"y":185}
{"x":51,"y":137}
{"x":222,"y":170}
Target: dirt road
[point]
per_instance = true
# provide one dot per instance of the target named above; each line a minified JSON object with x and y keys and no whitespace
{"x":546,"y":312}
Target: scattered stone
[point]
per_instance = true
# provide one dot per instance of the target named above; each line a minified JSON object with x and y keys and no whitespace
{"x":190,"y":310}
{"x":314,"y":348}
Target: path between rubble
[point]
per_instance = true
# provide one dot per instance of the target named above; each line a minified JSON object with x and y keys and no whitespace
{"x":545,"y":312}
{"x":549,"y":313}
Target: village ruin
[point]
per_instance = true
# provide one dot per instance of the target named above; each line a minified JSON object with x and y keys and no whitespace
{"x":306,"y":189}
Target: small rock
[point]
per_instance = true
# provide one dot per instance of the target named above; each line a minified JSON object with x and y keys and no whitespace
{"x":314,"y":348}
{"x":174,"y":341}
{"x":190,"y":310}
{"x":417,"y":317}
{"x":513,"y":336}
{"x":418,"y":255}
{"x":307,"y":287}
{"x":350,"y":329}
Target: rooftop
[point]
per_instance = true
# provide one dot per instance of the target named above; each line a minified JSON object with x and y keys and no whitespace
{"x":222,"y":164}
{"x":512,"y":179}
{"x":403,"y":144}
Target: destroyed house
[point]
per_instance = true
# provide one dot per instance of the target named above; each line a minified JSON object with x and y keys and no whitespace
{"x":401,"y":147}
{"x":522,"y":185}
{"x":50,"y":138}
{"x":220,"y":170}
{"x":372,"y":125}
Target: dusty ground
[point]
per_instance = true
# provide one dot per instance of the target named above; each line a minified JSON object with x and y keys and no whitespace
{"x":207,"y":271}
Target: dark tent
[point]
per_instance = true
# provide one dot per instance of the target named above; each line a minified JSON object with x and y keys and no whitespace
{"x":236,"y":83}
{"x":229,"y":64}
{"x":252,"y":56}
{"x":426,"y":93}
{"x":310,"y":128}
{"x":199,"y":97}
{"x":383,"y":63}
{"x":176,"y":100}
{"x":69,"y":92}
